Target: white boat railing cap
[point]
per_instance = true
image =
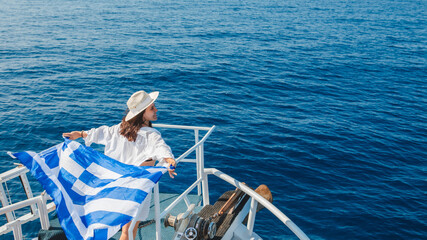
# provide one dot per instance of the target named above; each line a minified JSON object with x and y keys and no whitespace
{"x":273,"y":209}
{"x":160,"y":125}
{"x":193,"y":148}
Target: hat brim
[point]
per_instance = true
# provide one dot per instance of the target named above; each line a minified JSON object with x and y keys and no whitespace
{"x":131,"y":115}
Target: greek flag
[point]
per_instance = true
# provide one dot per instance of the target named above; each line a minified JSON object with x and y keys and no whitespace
{"x":94,"y":195}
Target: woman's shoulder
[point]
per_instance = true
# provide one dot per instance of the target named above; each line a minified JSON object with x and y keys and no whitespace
{"x":116,"y":127}
{"x":147,"y":134}
{"x":148,"y":130}
{"x":112,"y":129}
{"x":106,"y":128}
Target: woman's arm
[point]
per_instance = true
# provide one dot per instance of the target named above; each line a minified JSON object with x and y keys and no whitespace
{"x":172,"y":162}
{"x":101,"y":135}
{"x":75,"y":135}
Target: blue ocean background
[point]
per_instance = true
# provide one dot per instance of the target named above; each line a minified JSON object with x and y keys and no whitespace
{"x":323,"y":101}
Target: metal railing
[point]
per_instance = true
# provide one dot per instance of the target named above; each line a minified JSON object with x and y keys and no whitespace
{"x":255,"y":199}
{"x":202,"y":178}
{"x":201,"y":181}
{"x":39,"y":208}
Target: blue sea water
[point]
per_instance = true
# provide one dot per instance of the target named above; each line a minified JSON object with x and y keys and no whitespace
{"x":323,"y":101}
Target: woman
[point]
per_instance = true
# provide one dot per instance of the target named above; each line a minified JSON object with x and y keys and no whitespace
{"x":133,"y":141}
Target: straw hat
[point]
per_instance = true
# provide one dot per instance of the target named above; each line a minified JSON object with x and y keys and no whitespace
{"x":138,"y":102}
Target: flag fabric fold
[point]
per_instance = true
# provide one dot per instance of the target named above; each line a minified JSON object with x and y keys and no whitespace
{"x":94,"y":194}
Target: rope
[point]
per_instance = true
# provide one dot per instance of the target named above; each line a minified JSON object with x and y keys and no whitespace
{"x":146,"y":223}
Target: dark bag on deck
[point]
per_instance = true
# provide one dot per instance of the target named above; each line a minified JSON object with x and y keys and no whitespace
{"x":53,"y":233}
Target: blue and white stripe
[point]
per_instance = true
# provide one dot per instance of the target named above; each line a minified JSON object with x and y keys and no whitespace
{"x":94,"y":195}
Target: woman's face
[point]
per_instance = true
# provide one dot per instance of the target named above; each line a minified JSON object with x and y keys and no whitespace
{"x":150,"y":113}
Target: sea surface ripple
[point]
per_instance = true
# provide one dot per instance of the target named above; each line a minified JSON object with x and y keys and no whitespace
{"x":323,"y":101}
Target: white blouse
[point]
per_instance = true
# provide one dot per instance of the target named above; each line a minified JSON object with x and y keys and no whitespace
{"x":149,"y":144}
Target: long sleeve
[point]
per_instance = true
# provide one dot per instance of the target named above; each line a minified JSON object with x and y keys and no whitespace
{"x":160,"y":150}
{"x":101,"y":135}
{"x":148,"y":145}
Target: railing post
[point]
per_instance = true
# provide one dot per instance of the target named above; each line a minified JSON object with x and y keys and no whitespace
{"x":43,"y":214}
{"x":205,"y":188}
{"x":27,"y":188}
{"x":251,"y":217}
{"x":157,"y":211}
{"x":198,"y":169}
{"x":16,"y":228}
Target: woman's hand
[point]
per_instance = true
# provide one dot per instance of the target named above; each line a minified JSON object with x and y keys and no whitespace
{"x":172,"y":162}
{"x":74,"y":134}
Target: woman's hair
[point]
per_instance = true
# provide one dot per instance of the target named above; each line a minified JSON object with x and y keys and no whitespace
{"x":129,"y":129}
